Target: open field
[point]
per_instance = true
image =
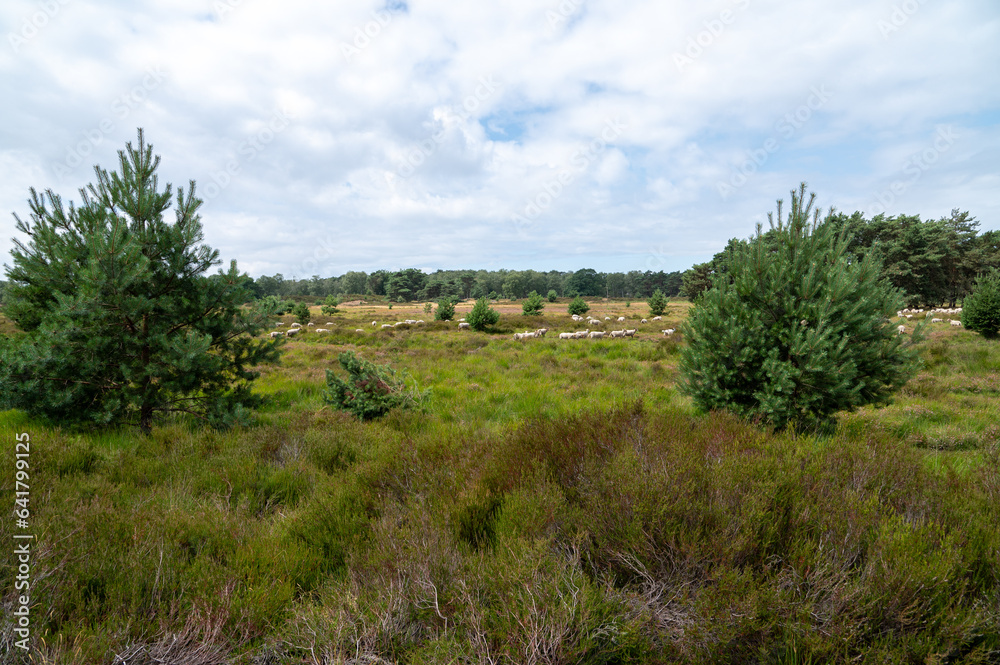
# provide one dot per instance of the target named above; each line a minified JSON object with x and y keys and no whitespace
{"x":555,"y":501}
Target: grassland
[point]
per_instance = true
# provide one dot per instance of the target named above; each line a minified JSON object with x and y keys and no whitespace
{"x":555,"y":501}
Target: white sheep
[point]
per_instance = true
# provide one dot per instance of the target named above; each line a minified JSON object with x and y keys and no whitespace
{"x":541,"y":332}
{"x":319,"y":330}
{"x":463,"y":326}
{"x":296,"y":325}
{"x":374,"y":323}
{"x":293,"y":332}
{"x":644,"y":321}
{"x":311,"y":324}
{"x":329,"y":323}
{"x":461,"y":320}
{"x":607,"y":318}
{"x":900,"y":330}
{"x":279,"y":323}
{"x":630,"y":333}
{"x":597,"y":334}
{"x":909,"y":316}
{"x":567,"y":335}
{"x":617,"y":333}
{"x":276,"y":333}
{"x":955,"y":323}
{"x":621,"y":318}
{"x":355,"y":330}
{"x":668,"y":332}
{"x":937,"y":320}
{"x":386,"y":325}
{"x":581,"y":334}
{"x":657,"y":318}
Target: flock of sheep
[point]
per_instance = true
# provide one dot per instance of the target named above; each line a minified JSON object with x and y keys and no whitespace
{"x":910,"y":313}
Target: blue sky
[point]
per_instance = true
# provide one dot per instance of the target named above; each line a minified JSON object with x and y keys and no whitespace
{"x":626,"y":135}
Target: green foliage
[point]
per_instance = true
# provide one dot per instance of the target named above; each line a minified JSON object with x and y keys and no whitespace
{"x":578,"y":306}
{"x":482,"y":315}
{"x":329,"y":306}
{"x":428,"y":308}
{"x":534,"y":305}
{"x":981,"y":309}
{"x":628,"y":303}
{"x":301,"y":313}
{"x":796,"y":330}
{"x":552,"y":296}
{"x":121,"y":323}
{"x":657,"y":303}
{"x":370,"y":390}
{"x":445,"y":310}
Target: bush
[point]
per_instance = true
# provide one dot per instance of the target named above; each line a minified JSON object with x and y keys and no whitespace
{"x":330,"y":305}
{"x":578,"y":306}
{"x":657,"y":303}
{"x":301,"y":313}
{"x":981,"y":308}
{"x":445,"y":310}
{"x":534,"y":305}
{"x":428,"y":308}
{"x":796,"y":330}
{"x":552,"y":295}
{"x":370,"y":391}
{"x":482,"y":315}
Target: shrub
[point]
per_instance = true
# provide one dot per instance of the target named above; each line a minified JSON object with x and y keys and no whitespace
{"x":330,"y":305}
{"x":981,"y":308}
{"x":482,"y":315}
{"x":534,"y":305}
{"x":578,"y":306}
{"x":370,"y":391}
{"x":796,"y":330}
{"x":445,"y":310}
{"x":552,"y":295}
{"x":301,"y":313}
{"x":428,"y":308}
{"x":657,"y":303}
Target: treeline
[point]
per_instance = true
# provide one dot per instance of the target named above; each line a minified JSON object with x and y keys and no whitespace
{"x":413,"y":284}
{"x":934,"y":262}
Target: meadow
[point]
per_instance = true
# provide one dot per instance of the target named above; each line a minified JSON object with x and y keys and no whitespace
{"x":552,"y":501}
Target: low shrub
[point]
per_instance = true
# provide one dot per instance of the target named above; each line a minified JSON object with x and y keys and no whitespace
{"x":370,"y":391}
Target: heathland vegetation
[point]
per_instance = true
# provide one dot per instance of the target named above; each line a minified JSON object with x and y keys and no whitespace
{"x":419,"y":492}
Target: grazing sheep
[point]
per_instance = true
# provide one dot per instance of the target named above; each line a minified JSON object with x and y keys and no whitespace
{"x":909,"y":316}
{"x":617,"y":333}
{"x":621,"y":318}
{"x":607,"y":318}
{"x":644,"y":321}
{"x":900,"y":330}
{"x":420,"y":322}
{"x":581,"y":334}
{"x":463,"y":326}
{"x":937,"y":320}
{"x":567,"y":335}
{"x":541,"y":332}
{"x":311,"y":324}
{"x":657,"y":318}
{"x":461,"y":320}
{"x":276,"y":333}
{"x":355,"y":330}
{"x":319,"y":330}
{"x":517,"y":336}
{"x":374,"y":323}
{"x":597,"y":334}
{"x":293,"y":332}
{"x":386,"y":325}
{"x":630,"y":333}
{"x":296,"y":325}
{"x":955,"y":323}
{"x":668,"y":332}
{"x":279,"y":323}
{"x":329,"y":323}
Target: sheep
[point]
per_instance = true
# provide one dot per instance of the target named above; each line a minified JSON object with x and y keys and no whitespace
{"x":319,"y":330}
{"x":567,"y":335}
{"x":461,"y":320}
{"x":597,"y":334}
{"x":617,"y":333}
{"x":463,"y":326}
{"x":358,"y":330}
{"x":420,"y":322}
{"x":900,"y":330}
{"x":276,"y":333}
{"x":329,"y":323}
{"x":621,"y":318}
{"x":955,"y":323}
{"x":541,"y":332}
{"x":517,"y":336}
{"x":657,"y":318}
{"x":909,"y":316}
{"x":296,"y":325}
{"x":293,"y":332}
{"x":581,"y":334}
{"x":279,"y":323}
{"x":937,"y":320}
{"x":607,"y":318}
{"x":630,"y":333}
{"x":668,"y":332}
{"x":311,"y":324}
{"x":644,"y":321}
{"x":386,"y":325}
{"x":374,"y":323}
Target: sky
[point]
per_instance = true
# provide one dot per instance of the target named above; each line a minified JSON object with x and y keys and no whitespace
{"x":545,"y":134}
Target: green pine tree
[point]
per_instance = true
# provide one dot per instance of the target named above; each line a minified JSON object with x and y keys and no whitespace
{"x":482,"y":315}
{"x":657,"y":303}
{"x":578,"y":306}
{"x":120,"y":322}
{"x":534,"y":305}
{"x":329,"y":307}
{"x":981,"y":309}
{"x":302,"y":314}
{"x":445,"y":310}
{"x":797,"y":330}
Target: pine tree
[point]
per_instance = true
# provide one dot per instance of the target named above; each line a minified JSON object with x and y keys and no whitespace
{"x":797,"y":330}
{"x":981,"y":308}
{"x":482,"y":315}
{"x":445,"y":310}
{"x":533,"y":306}
{"x":120,"y":322}
{"x":657,"y":303}
{"x":578,"y":306}
{"x":301,"y":313}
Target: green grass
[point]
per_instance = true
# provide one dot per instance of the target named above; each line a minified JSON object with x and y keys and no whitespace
{"x":554,"y":501}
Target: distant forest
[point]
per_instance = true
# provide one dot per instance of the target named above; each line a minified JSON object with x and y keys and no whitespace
{"x":934,"y":262}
